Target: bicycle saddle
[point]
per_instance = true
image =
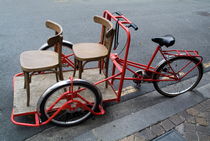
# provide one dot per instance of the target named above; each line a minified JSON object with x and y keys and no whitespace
{"x":167,"y":40}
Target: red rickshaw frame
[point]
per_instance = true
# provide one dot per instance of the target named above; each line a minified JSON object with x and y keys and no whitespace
{"x":121,"y":65}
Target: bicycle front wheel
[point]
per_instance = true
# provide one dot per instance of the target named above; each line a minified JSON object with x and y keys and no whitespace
{"x":63,"y":92}
{"x":181,"y":68}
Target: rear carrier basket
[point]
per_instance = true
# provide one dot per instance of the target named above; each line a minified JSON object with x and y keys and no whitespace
{"x":190,"y":53}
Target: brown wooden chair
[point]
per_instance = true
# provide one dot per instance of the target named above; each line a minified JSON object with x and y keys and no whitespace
{"x":86,"y":52}
{"x":38,"y":61}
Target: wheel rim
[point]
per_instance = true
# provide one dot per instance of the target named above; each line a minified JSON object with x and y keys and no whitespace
{"x":185,"y":84}
{"x":70,"y":116}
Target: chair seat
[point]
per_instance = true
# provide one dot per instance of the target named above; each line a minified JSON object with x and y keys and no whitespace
{"x":38,"y":60}
{"x":89,"y":51}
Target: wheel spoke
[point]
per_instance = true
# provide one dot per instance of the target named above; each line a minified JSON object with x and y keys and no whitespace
{"x":83,"y":92}
{"x":184,"y":68}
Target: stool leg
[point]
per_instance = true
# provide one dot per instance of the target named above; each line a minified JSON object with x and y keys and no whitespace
{"x":27,"y":81}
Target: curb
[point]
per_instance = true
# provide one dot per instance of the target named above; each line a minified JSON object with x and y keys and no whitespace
{"x":135,"y":122}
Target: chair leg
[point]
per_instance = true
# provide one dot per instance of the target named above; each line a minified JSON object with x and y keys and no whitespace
{"x":106,"y":70}
{"x":75,"y":67}
{"x":99,"y":65}
{"x":56,"y":74}
{"x":60,"y":72}
{"x":80,"y":69}
{"x":24,"y":80}
{"x":27,"y":85}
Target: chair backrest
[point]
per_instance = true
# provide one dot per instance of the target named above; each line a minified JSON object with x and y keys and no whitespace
{"x":107,"y":33}
{"x":56,"y":40}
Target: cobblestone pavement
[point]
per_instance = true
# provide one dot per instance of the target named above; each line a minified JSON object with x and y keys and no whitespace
{"x":193,"y":124}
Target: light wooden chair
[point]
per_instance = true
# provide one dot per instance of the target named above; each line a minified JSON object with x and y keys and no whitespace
{"x":38,"y":61}
{"x":86,"y":52}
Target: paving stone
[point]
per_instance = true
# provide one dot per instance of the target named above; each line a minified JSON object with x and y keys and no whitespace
{"x":206,"y":103}
{"x":202,"y":114}
{"x":192,"y":111}
{"x":190,"y":136}
{"x":203,"y":137}
{"x":176,"y":119}
{"x":180,"y":128}
{"x":141,"y":138}
{"x":167,"y":125}
{"x":129,"y":138}
{"x":146,"y":133}
{"x":184,"y":114}
{"x":208,"y":116}
{"x":203,"y":130}
{"x":198,"y":107}
{"x":201,"y":121}
{"x":188,"y":127}
{"x":191,"y":120}
{"x":172,"y":135}
{"x":157,"y":130}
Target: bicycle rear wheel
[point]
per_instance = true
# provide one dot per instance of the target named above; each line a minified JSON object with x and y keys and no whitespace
{"x":72,"y":114}
{"x":181,"y":66}
{"x":67,"y":54}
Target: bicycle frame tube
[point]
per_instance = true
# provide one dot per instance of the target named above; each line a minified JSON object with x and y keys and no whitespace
{"x":152,"y":58}
{"x":109,"y":16}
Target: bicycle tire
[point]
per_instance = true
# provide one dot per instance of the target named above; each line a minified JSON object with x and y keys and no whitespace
{"x":167,"y":89}
{"x":66,"y":117}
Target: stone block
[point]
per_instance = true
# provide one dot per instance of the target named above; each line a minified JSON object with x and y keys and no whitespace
{"x":146,"y":133}
{"x":129,"y":138}
{"x":167,"y":125}
{"x":176,"y":119}
{"x":203,"y":137}
{"x":188,"y":127}
{"x":192,"y":111}
{"x":201,"y":121}
{"x":203,"y":130}
{"x":180,"y":128}
{"x":191,"y":120}
{"x":139,"y":138}
{"x":157,"y":130}
{"x":190,"y":136}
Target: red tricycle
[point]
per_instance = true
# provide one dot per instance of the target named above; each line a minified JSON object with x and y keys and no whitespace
{"x":71,"y":101}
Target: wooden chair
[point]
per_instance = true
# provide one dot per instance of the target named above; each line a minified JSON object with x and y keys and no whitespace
{"x":86,"y":52}
{"x":38,"y":61}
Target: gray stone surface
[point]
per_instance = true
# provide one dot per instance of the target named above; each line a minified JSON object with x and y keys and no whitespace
{"x":203,"y":130}
{"x":167,"y":125}
{"x":139,"y":120}
{"x":188,"y":127}
{"x":146,"y":133}
{"x":88,"y":136}
{"x":157,"y":130}
{"x":190,"y":136}
{"x":205,"y":90}
{"x":176,"y":119}
{"x":170,"y":136}
{"x":203,"y":137}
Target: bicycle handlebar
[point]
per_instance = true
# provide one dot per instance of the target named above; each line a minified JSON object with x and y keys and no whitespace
{"x":118,"y":13}
{"x":134,"y":26}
